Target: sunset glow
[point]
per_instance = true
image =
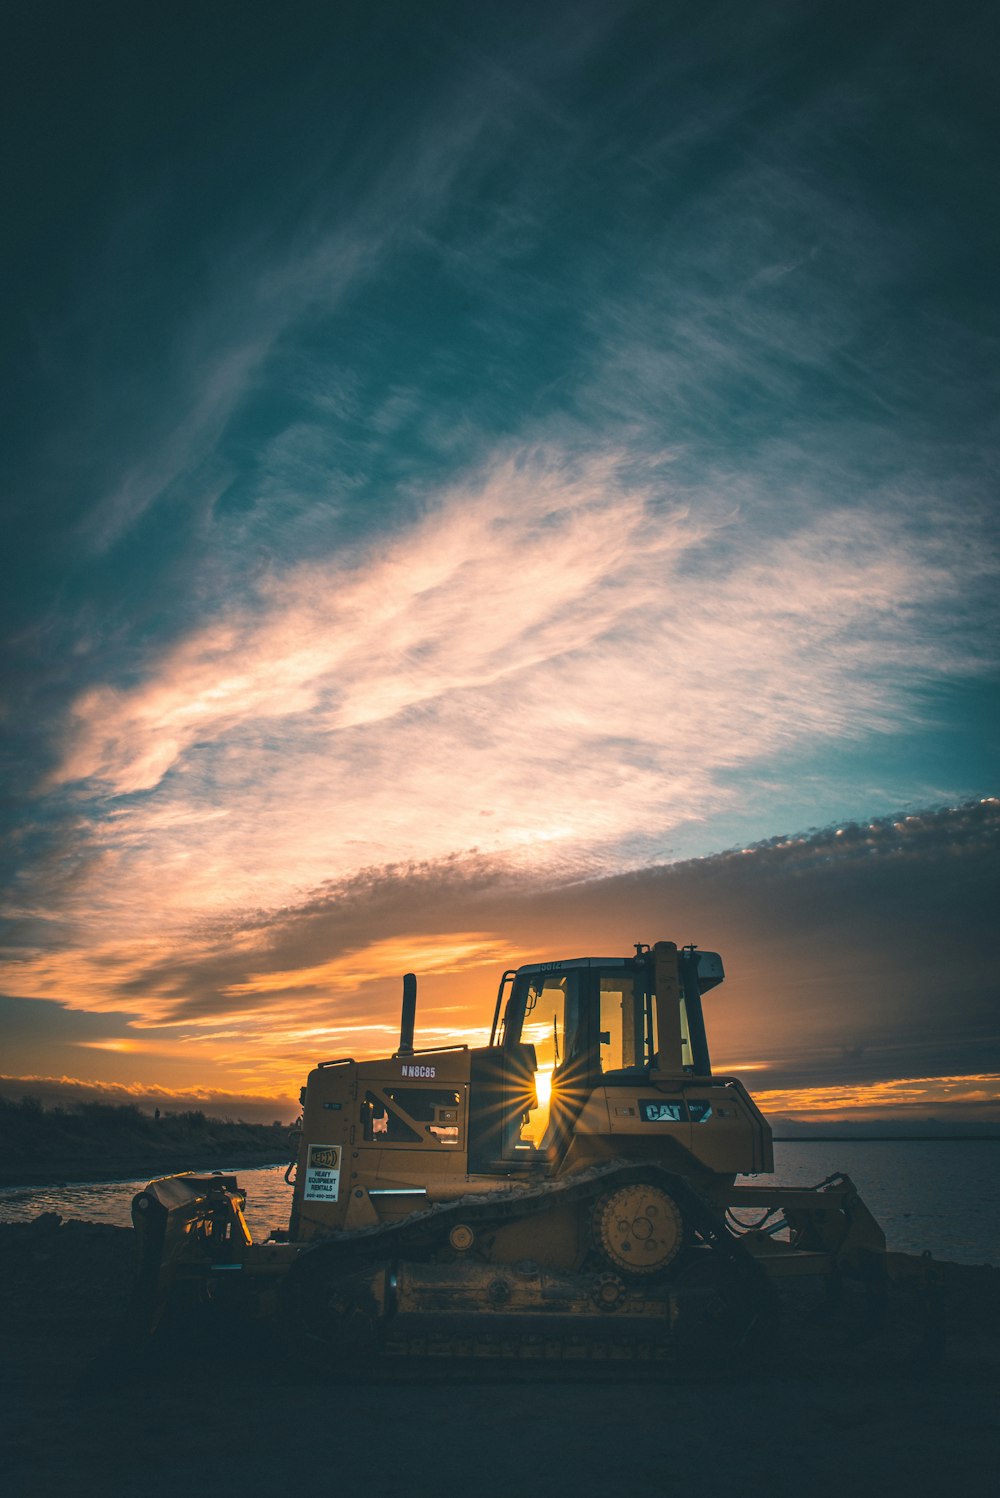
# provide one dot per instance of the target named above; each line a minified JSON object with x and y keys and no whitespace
{"x":540,"y":502}
{"x":876,"y":1099}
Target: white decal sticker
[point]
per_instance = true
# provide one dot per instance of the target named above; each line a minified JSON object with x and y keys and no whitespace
{"x":322,"y":1173}
{"x":409,"y":1070}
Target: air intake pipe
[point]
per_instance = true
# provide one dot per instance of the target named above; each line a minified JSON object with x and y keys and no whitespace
{"x":408,"y":1016}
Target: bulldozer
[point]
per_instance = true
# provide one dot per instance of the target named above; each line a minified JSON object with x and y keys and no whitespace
{"x":572,"y":1189}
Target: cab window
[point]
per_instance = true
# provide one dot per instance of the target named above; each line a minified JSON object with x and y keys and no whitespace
{"x":412,"y":1115}
{"x":627,"y":1036}
{"x":545,"y":1019}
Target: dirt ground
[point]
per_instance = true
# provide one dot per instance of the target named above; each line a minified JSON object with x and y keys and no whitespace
{"x":228,"y":1415}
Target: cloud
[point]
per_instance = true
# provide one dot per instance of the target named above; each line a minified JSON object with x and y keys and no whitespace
{"x":975,"y":1097}
{"x":839,"y":946}
{"x":327,"y":225}
{"x":459,"y":951}
{"x":216,"y":354}
{"x":557,"y":662}
{"x":552,"y":481}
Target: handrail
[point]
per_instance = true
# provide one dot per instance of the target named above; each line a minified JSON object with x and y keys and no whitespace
{"x":510,"y":973}
{"x":423,"y":1051}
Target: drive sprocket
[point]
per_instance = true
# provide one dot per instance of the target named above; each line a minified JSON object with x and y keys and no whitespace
{"x":638,"y":1228}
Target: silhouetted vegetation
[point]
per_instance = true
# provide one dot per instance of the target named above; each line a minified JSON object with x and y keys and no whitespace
{"x":104,"y":1140}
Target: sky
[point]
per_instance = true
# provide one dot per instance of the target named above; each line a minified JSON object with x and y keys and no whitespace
{"x":488,"y":482}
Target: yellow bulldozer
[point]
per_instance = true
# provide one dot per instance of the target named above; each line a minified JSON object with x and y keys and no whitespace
{"x":567,"y":1191}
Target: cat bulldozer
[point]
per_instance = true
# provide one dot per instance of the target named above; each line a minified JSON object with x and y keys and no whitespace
{"x":569,"y":1190}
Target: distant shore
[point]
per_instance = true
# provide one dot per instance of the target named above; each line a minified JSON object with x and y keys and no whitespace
{"x":106,"y":1142}
{"x":138,"y":1168}
{"x":886,"y":1138}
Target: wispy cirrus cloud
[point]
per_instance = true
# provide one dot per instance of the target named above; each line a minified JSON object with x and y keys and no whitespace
{"x":160,"y":438}
{"x":546,"y":613}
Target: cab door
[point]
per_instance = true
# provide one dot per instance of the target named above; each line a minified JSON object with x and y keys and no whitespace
{"x":558,"y":1020}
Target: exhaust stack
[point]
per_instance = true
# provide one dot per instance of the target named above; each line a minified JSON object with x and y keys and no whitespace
{"x":408,"y":1015}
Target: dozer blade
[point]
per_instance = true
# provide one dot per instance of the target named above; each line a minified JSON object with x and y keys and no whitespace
{"x":190,"y":1229}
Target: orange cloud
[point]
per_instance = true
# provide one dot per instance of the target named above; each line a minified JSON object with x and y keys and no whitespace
{"x":428,"y":955}
{"x":91,"y":976}
{"x":857,"y":1100}
{"x":123,"y":1045}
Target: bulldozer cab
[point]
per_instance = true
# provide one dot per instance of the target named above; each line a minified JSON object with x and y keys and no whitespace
{"x":591,"y":1022}
{"x":588,"y":1059}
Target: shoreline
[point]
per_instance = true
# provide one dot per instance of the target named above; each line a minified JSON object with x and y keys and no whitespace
{"x":43,"y":1177}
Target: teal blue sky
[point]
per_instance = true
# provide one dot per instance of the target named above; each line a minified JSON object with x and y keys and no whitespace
{"x":549,"y":442}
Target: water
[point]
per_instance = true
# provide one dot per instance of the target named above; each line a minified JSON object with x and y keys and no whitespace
{"x":937,"y":1195}
{"x":269,"y":1200}
{"x":933,"y":1194}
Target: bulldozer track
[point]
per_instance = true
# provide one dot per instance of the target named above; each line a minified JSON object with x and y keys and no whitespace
{"x":715,"y":1268}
